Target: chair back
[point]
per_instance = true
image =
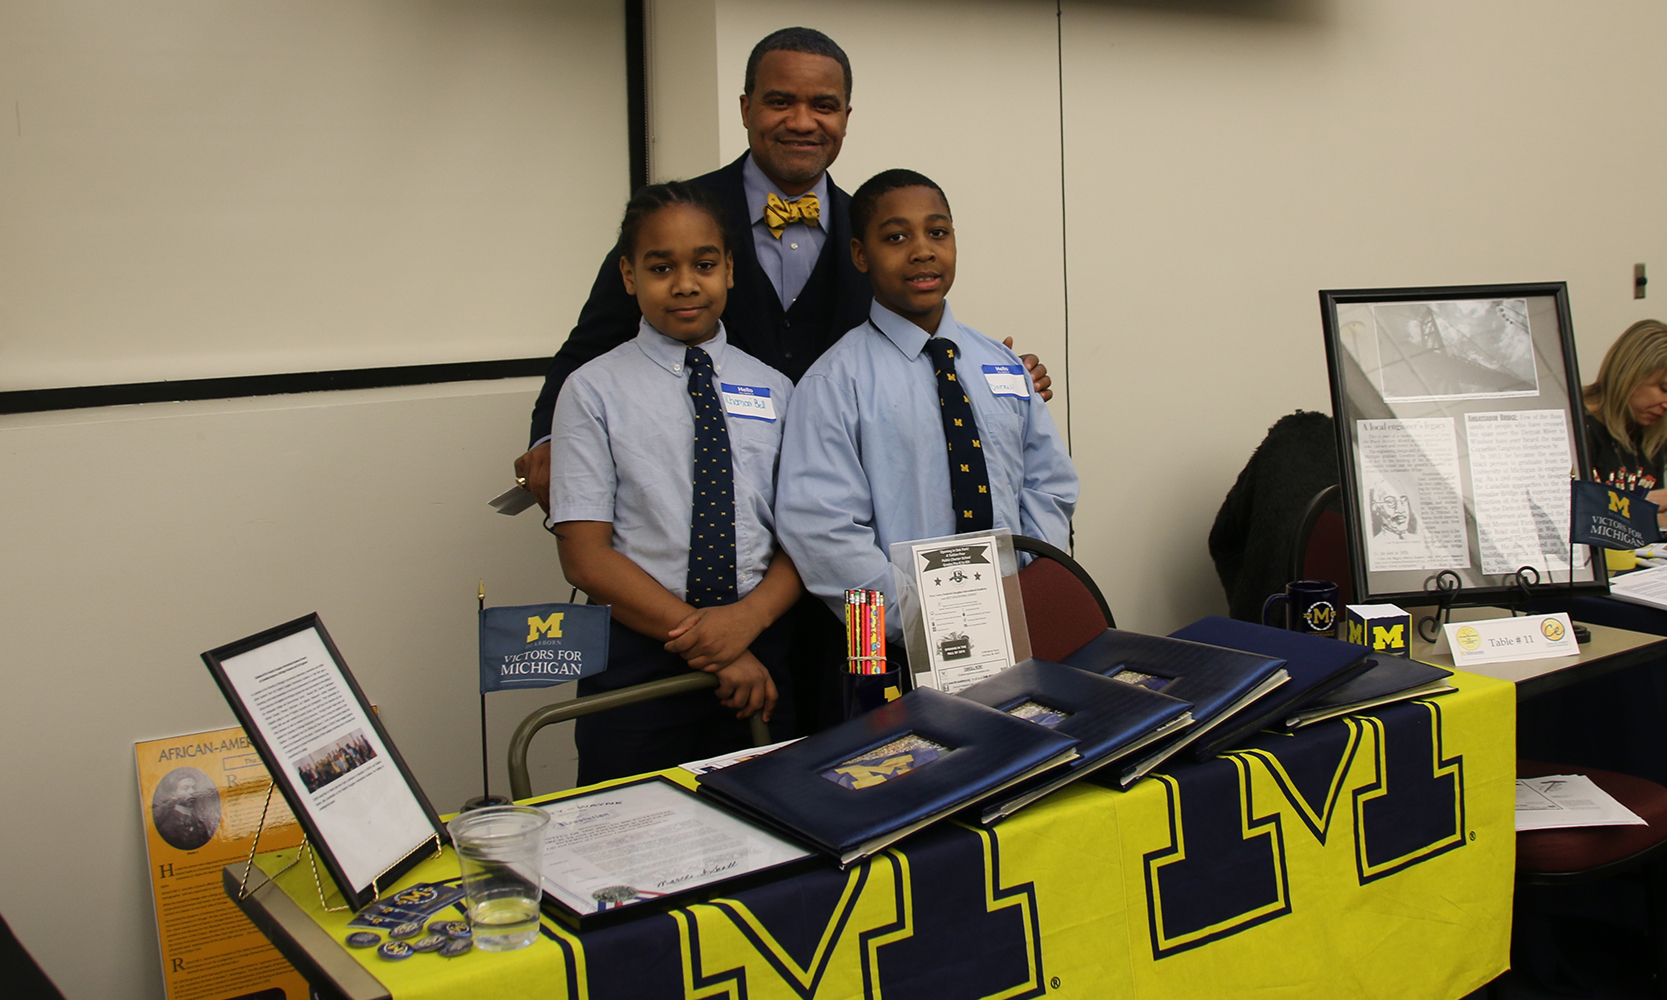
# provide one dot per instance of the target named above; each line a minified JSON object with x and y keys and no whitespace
{"x":1064,"y":608}
{"x":1321,"y":548}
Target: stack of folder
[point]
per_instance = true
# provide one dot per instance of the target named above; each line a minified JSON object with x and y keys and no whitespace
{"x":1218,"y":683}
{"x":1387,"y":679}
{"x":1108,"y":719}
{"x":1317,"y":665}
{"x":857,"y":788}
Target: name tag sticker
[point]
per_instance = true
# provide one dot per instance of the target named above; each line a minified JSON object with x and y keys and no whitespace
{"x":750,"y":401}
{"x":1007,"y":380}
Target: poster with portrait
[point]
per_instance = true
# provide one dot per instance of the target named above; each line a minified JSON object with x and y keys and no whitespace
{"x":1457,"y":413}
{"x":201,"y":797}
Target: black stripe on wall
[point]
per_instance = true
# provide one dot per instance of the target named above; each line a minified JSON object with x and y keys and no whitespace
{"x":83,"y":396}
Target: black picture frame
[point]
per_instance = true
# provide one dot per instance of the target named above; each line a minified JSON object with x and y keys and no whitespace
{"x":1459,"y":354}
{"x":583,"y":922}
{"x":286,"y":778}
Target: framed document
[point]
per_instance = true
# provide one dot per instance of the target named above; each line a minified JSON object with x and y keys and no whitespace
{"x":963,"y":616}
{"x":1459,"y":423}
{"x":363,"y":812}
{"x":647,"y":846}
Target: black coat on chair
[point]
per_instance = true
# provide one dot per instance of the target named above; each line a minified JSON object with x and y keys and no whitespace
{"x":1257,"y":525}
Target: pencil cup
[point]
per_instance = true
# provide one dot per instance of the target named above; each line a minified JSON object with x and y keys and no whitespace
{"x":501,"y":852}
{"x":860,"y":693}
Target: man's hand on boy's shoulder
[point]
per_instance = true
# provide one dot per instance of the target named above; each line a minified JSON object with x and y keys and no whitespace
{"x":1038,"y":374}
{"x":746,"y":687}
{"x":710,"y":639}
{"x":534,"y":468}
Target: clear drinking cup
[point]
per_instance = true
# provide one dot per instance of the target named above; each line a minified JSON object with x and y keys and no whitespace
{"x":501,"y":852}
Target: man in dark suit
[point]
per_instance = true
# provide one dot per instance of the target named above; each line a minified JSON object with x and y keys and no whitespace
{"x":796,"y":289}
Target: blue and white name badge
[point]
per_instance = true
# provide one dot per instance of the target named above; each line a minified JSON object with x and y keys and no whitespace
{"x":1007,"y":380}
{"x":750,"y":401}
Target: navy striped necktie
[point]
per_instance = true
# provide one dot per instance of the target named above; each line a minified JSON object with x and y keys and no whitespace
{"x":711,"y":579}
{"x":969,"y":479}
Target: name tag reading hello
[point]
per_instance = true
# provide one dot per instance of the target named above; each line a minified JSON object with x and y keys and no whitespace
{"x":750,"y":401}
{"x":1007,"y":380}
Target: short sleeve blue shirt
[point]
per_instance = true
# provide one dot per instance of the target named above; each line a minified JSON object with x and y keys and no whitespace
{"x":624,"y":433}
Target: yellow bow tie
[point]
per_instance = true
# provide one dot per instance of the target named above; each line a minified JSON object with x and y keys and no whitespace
{"x":778,"y":213}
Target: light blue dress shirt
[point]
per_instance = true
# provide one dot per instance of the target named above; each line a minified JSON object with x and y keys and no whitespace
{"x":787,"y":262}
{"x":864,"y":462}
{"x":624,"y":438}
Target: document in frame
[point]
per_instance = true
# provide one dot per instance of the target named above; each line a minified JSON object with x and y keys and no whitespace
{"x":338,"y":770}
{"x":1410,"y":482}
{"x":647,"y":841}
{"x":1519,"y":478}
{"x":964,"y":612}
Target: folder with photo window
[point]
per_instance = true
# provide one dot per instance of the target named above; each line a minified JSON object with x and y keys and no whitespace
{"x":1110,"y":721}
{"x":1218,"y":682}
{"x":859,"y":787}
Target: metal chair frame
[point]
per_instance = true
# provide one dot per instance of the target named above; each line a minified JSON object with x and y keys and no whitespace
{"x":520,"y":783}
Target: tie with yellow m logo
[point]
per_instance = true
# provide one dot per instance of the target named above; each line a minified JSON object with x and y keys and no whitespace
{"x":969,"y":477}
{"x":779,"y":214}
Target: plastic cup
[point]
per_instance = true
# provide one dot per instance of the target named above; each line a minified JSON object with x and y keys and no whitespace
{"x":501,"y":852}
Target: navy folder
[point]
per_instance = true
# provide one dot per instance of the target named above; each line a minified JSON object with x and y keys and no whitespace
{"x":1316,"y":664}
{"x":1218,"y":682}
{"x":858,"y":787}
{"x":1110,"y":720}
{"x":1388,"y":678}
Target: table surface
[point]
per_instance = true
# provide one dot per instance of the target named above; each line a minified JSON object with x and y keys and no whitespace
{"x":1611,"y":649}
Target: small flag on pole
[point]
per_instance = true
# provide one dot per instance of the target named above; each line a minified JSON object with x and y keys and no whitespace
{"x":538,"y":645}
{"x":1613,"y":518}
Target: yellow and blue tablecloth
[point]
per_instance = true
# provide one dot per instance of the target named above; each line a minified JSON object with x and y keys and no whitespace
{"x":1370,"y":856}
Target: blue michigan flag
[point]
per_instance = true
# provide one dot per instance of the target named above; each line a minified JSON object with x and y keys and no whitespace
{"x":538,"y":645}
{"x":1613,"y":518}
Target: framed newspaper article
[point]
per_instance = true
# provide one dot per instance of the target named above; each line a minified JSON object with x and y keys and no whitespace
{"x":363,"y":813}
{"x":1459,"y":426}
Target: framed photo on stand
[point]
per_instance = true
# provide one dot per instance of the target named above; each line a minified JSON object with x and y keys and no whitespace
{"x":365,"y":816}
{"x":1459,"y":425}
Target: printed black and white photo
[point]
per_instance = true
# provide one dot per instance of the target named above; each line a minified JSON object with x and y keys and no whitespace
{"x":1458,"y":349}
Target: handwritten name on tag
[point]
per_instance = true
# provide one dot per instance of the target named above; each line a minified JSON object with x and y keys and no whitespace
{"x":1535,"y":637}
{"x":1007,"y":380}
{"x":750,"y":401}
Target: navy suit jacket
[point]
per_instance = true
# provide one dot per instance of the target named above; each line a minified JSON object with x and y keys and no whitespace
{"x":834,"y":300}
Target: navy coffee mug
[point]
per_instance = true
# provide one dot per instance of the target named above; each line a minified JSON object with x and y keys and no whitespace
{"x":1312,"y":608}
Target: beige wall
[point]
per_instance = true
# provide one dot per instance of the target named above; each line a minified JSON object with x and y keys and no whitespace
{"x":195,"y":189}
{"x":1223,"y":162}
{"x":1223,"y":167}
{"x":208,"y":188}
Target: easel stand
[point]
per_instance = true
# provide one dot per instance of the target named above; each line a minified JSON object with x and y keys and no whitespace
{"x":306,"y":848}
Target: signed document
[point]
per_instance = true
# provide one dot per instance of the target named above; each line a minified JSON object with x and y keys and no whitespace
{"x":641,"y":841}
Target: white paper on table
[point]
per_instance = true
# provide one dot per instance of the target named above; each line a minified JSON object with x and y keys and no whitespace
{"x":1647,"y":587}
{"x":1409,"y":487}
{"x":1557,"y":801}
{"x":722,"y":761}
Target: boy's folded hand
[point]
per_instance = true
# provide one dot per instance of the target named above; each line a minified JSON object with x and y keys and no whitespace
{"x":712,"y":638}
{"x":746,"y":686}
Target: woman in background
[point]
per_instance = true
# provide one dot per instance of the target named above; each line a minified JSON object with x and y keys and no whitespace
{"x":1626,"y":437}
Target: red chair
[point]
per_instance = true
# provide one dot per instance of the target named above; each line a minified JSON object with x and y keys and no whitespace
{"x":1321,"y":549}
{"x":1064,"y":608}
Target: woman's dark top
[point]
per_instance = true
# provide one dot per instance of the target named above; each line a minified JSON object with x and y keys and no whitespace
{"x":1616,"y":466}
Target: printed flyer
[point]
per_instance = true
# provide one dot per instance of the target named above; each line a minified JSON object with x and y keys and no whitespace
{"x":201,"y":797}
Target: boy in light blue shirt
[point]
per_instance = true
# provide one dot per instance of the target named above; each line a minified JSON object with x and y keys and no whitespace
{"x":661,"y":503}
{"x":912,"y":425}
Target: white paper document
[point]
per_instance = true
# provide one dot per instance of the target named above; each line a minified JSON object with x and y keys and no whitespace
{"x":964,"y":610}
{"x":1647,"y":587}
{"x":647,"y":839}
{"x":1519,"y":478}
{"x":347,"y":782}
{"x":1410,"y":487}
{"x":709,"y":764}
{"x":1509,"y":640}
{"x":1565,"y":800}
